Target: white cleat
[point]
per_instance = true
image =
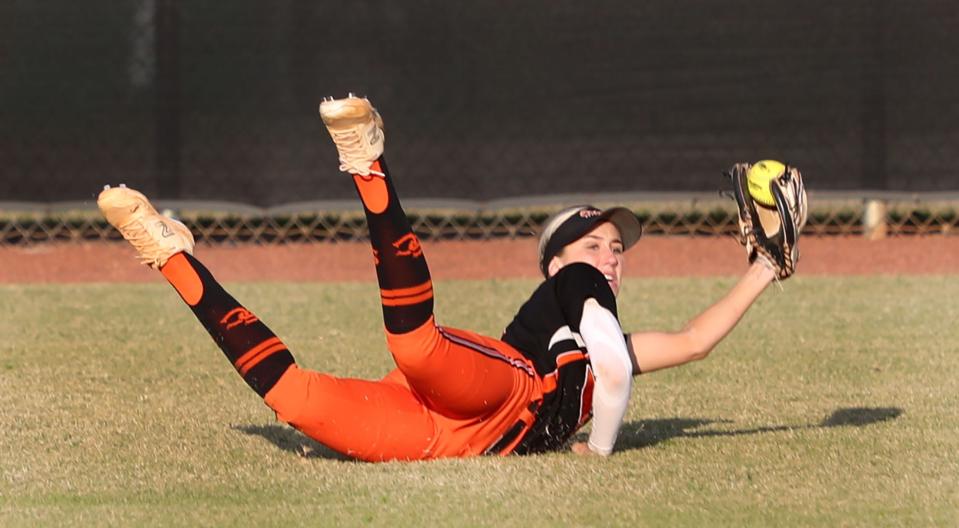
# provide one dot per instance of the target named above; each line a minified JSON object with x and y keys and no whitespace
{"x":155,"y":237}
{"x":357,"y":131}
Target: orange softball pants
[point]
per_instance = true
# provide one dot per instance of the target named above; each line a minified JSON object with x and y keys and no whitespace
{"x":454,"y":394}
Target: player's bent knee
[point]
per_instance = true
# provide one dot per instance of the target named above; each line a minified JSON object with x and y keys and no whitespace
{"x":289,"y":397}
{"x":413,"y":348}
{"x":312,"y":402}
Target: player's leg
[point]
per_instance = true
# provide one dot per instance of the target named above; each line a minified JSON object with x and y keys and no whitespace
{"x":461,"y":373}
{"x":165,"y":244}
{"x":367,"y":420}
{"x":455,"y":374}
{"x":257,"y":354}
{"x":406,"y":289}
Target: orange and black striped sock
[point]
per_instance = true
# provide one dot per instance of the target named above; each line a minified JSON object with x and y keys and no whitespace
{"x":255,"y":351}
{"x":406,"y":289}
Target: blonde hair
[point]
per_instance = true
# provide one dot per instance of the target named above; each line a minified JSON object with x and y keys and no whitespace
{"x":552,"y":223}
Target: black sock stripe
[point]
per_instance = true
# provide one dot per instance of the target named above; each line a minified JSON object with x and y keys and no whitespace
{"x":262,"y":377}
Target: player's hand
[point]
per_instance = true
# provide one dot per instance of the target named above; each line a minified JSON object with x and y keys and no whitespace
{"x":582,"y":449}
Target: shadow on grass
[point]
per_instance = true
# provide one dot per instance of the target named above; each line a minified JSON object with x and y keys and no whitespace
{"x":291,"y":440}
{"x":645,"y":433}
{"x":635,"y":435}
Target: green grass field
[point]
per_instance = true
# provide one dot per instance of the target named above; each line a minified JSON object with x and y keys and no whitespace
{"x":118,"y":409}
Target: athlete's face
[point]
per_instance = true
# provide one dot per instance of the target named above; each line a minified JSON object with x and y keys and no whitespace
{"x":601,"y":248}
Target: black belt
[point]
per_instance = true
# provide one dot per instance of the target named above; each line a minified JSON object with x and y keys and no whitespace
{"x":513,"y":436}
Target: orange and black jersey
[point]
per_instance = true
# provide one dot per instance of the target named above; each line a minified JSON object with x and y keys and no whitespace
{"x":546,"y":330}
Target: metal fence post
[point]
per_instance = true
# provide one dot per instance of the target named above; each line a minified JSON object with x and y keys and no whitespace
{"x":874,"y":219}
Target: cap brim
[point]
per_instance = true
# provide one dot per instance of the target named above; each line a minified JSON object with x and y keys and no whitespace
{"x":630,"y":229}
{"x":567,"y":227}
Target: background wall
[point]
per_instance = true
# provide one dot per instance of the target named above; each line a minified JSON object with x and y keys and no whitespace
{"x":485,"y":100}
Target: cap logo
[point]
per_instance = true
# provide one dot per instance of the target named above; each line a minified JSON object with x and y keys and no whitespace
{"x":589,"y":213}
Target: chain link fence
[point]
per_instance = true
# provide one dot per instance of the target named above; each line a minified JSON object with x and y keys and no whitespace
{"x":672,"y":214}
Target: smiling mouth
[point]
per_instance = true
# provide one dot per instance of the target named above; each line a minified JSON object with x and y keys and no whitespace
{"x":613,"y":283}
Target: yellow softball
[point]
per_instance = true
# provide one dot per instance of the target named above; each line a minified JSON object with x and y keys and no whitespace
{"x":758,"y":177}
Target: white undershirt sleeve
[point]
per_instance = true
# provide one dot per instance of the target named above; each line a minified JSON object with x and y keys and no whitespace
{"x":613,"y":371}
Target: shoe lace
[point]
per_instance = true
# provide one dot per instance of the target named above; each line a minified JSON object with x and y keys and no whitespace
{"x":138,"y":236}
{"x":351,"y":147}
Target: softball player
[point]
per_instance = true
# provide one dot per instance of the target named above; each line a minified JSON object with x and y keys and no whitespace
{"x":563,"y":359}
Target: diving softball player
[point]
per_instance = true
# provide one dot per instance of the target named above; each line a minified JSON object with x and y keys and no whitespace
{"x":562,"y":361}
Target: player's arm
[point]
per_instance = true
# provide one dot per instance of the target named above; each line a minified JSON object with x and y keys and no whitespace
{"x":612,"y":368}
{"x":658,"y":350}
{"x":589,"y":307}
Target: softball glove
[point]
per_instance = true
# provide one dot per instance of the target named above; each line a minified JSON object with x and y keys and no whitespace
{"x":771,"y":234}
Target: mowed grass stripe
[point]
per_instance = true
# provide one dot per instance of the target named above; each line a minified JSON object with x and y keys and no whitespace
{"x":833,"y":403}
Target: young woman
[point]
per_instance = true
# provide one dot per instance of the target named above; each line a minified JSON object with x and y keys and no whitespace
{"x":562,"y":361}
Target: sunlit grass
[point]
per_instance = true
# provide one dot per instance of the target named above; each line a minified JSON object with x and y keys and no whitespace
{"x":836,"y":402}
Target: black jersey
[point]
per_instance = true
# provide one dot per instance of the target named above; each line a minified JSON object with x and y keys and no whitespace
{"x":546,"y":330}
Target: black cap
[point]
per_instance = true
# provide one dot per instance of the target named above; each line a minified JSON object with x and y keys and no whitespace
{"x":572,"y":223}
